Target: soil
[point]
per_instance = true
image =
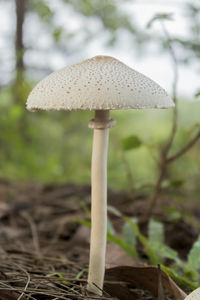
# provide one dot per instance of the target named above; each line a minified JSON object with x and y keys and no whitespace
{"x":44,"y":252}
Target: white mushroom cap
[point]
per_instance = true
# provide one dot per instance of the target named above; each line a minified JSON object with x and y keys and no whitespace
{"x":195,"y":295}
{"x":99,"y":83}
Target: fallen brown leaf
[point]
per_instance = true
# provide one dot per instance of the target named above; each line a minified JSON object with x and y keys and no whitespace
{"x":121,"y":292}
{"x":144,"y":278}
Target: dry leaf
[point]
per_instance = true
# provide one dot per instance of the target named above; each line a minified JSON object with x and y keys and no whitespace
{"x":144,"y":278}
{"x":121,"y":292}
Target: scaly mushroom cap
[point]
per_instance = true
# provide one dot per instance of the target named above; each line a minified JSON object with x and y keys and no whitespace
{"x":195,"y":295}
{"x":99,"y":83}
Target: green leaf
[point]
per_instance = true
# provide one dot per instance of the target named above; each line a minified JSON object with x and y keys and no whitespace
{"x":85,"y":208}
{"x":15,"y":112}
{"x":43,"y":10}
{"x":177,"y":182}
{"x":114,"y":211}
{"x":83,"y":222}
{"x":110,"y":227}
{"x":145,"y":243}
{"x":80,"y":274}
{"x":57,"y":33}
{"x":131,"y":142}
{"x":161,"y":16}
{"x":129,"y":235}
{"x":120,"y":242}
{"x":194,"y":256}
{"x":155,"y":231}
{"x":57,"y":275}
{"x":174,"y":212}
{"x":163,"y":251}
{"x":197,"y":94}
{"x":182,"y":282}
{"x":114,"y":239}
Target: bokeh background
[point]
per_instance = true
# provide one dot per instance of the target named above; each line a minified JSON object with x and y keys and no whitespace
{"x":40,"y":36}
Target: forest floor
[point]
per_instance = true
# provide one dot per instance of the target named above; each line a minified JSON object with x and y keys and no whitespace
{"x":44,"y":252}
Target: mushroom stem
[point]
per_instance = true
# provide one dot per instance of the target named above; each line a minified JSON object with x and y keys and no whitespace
{"x":101,"y":124}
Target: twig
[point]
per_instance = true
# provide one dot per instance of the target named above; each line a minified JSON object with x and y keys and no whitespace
{"x":174,"y":61}
{"x":103,"y":292}
{"x":165,"y":160}
{"x":189,"y":145}
{"x":167,"y":147}
{"x":34,"y":232}
{"x":161,"y":295}
{"x":174,"y":89}
{"x":27,"y":283}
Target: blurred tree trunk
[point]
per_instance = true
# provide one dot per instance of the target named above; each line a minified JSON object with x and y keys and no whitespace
{"x":20,"y":86}
{"x":20,"y":6}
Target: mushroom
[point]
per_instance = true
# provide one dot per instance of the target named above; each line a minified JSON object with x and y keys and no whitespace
{"x":101,"y":83}
{"x":195,"y":295}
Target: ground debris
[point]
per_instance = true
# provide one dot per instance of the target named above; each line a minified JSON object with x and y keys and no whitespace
{"x":44,"y":253}
{"x":45,"y":277}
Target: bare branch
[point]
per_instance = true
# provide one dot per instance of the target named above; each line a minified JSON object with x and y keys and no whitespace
{"x":189,"y":145}
{"x":174,"y":89}
{"x":167,"y":147}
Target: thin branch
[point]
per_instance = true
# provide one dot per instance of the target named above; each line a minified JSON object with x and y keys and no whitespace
{"x":174,"y":89}
{"x":189,"y":145}
{"x":174,"y":60}
{"x":34,"y":232}
{"x":27,"y":283}
{"x":167,"y":147}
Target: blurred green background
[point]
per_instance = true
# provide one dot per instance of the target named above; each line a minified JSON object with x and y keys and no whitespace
{"x":38,"y":37}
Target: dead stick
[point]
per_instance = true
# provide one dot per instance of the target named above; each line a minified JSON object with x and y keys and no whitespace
{"x":182,"y":151}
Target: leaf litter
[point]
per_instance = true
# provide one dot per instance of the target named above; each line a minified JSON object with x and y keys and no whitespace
{"x":42,"y":254}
